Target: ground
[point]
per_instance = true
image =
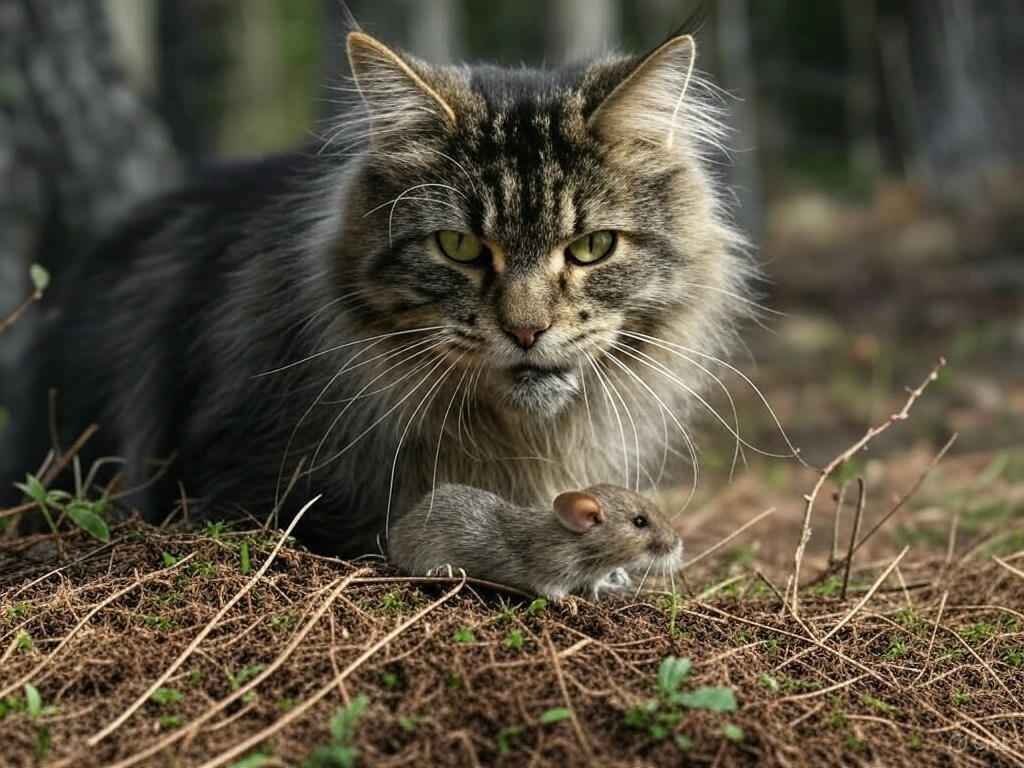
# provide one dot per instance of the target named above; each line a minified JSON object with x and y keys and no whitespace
{"x":207,"y":648}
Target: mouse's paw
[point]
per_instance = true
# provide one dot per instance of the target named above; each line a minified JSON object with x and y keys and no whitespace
{"x":445,"y":570}
{"x":618,"y":582}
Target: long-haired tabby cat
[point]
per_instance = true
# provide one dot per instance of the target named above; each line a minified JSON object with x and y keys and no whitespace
{"x":512,"y":279}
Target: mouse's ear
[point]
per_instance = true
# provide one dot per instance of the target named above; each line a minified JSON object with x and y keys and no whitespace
{"x":578,"y":511}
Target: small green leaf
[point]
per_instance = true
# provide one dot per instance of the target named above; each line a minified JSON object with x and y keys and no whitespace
{"x":169,"y":559}
{"x":40,"y":278}
{"x":506,"y":736}
{"x":465,"y":635}
{"x":33,"y":701}
{"x":672,"y":672}
{"x":769,"y":682}
{"x":246,"y":561}
{"x":343,"y":724}
{"x":166,"y":696}
{"x":255,"y":760}
{"x":514,"y":640}
{"x":556,"y":715}
{"x":733,"y":733}
{"x":683,"y":742}
{"x":408,"y":723}
{"x":83,"y":515}
{"x":537,"y":606}
{"x":714,"y":699}
{"x":33,"y":489}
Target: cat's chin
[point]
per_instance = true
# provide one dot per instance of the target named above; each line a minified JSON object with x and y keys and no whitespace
{"x":542,"y":393}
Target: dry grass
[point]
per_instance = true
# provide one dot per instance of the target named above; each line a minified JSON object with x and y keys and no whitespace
{"x":460,"y":675}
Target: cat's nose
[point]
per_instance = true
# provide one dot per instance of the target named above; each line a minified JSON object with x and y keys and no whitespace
{"x":526,"y":335}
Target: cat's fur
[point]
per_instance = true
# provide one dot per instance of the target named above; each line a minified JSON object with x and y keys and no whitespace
{"x":232,"y":324}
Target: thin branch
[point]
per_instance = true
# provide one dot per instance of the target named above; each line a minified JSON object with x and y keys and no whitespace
{"x":183,"y":656}
{"x":842,"y":458}
{"x":300,"y":709}
{"x":862,"y":496}
{"x":581,"y":735}
{"x":727,"y":539}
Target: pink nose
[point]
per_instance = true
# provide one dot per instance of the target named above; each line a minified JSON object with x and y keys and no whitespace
{"x":526,"y":336}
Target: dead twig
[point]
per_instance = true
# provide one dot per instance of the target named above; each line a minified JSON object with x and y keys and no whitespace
{"x":581,"y":735}
{"x":711,"y":550}
{"x":123,"y":717}
{"x":300,"y":709}
{"x":842,"y":458}
{"x":862,"y":496}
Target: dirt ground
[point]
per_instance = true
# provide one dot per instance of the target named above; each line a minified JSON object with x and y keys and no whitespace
{"x":179,"y":646}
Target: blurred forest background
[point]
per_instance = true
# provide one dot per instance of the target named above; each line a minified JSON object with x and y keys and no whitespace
{"x":877,"y":165}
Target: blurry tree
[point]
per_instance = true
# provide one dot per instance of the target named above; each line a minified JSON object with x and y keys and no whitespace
{"x":193,"y":64}
{"x":77,"y":149}
{"x":582,"y":28}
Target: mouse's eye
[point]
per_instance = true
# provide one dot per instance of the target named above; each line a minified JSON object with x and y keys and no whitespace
{"x":640,"y":521}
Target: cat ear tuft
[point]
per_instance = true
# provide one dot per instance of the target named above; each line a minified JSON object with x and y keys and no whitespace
{"x":578,"y":511}
{"x":393,"y":90}
{"x":649,"y":103}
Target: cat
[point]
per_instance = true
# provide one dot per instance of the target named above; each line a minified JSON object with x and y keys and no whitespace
{"x":510,"y":279}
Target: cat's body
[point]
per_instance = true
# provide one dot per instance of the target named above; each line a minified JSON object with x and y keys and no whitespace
{"x":306,"y":307}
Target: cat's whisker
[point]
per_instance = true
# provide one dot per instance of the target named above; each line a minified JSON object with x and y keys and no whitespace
{"x":671,"y":346}
{"x":643,"y":581}
{"x":427,"y":399}
{"x":668,"y":374}
{"x":690,"y":445}
{"x":348,"y":344}
{"x":655,"y":483}
{"x":618,"y":418}
{"x":347,"y":366}
{"x":341,"y":414}
{"x":737,"y":297}
{"x":657,"y":365}
{"x":456,"y":163}
{"x":440,"y":439}
{"x":316,"y":467}
{"x":636,"y":433}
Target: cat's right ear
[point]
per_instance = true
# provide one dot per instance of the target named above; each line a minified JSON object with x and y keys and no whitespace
{"x":395,"y":93}
{"x":578,"y":511}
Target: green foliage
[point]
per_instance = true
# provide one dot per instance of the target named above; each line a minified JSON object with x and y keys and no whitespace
{"x":556,"y":715}
{"x":87,"y":514}
{"x":246,"y":561}
{"x":167,"y":697}
{"x":506,"y":736}
{"x":169,"y":559}
{"x":255,"y":760}
{"x":733,"y":733}
{"x":537,"y":607}
{"x":339,"y":752}
{"x":33,"y":701}
{"x":660,"y":716}
{"x":514,"y":640}
{"x":769,"y":682}
{"x":464,"y":635}
{"x":40,"y":278}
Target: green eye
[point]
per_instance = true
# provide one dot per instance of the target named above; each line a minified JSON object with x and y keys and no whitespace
{"x":459,"y":246}
{"x":592,"y":248}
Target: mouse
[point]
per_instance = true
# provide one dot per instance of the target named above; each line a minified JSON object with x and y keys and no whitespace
{"x":589,"y":543}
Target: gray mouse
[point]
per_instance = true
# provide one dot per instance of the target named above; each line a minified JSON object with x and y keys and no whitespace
{"x":589,"y":542}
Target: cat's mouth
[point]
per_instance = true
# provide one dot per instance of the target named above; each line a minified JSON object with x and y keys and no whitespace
{"x":541,"y":389}
{"x":525,"y":373}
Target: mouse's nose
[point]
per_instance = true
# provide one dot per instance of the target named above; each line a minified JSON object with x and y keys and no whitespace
{"x":526,"y":335}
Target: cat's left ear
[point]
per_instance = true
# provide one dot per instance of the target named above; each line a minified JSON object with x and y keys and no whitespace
{"x":649,"y":102}
{"x":392,"y":88}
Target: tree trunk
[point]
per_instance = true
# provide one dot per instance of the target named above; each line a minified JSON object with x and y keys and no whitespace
{"x":77,"y":150}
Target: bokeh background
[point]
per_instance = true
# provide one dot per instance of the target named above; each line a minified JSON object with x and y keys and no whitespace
{"x":876,"y":164}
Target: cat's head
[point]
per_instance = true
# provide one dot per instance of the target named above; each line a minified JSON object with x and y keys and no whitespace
{"x":532,"y":218}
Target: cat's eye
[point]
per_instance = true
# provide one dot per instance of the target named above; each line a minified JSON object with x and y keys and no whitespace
{"x":592,"y":248}
{"x":460,"y":246}
{"x":640,"y":521}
